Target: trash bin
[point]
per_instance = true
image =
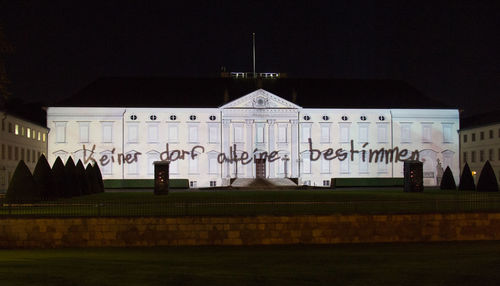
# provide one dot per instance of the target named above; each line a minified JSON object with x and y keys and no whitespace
{"x":161,"y":177}
{"x":414,"y":179}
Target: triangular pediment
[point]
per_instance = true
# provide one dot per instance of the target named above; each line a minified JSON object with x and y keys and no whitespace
{"x":260,"y":99}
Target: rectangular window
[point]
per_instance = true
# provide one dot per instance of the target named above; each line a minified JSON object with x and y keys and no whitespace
{"x":447,"y":135}
{"x":481,"y":155}
{"x":491,"y":134}
{"x":84,"y":131}
{"x":107,"y":132}
{"x":16,"y":130}
{"x":325,"y":165}
{"x":363,"y":165}
{"x":481,"y":135}
{"x":426,"y":133}
{"x":344,"y":166}
{"x":153,"y":130}
{"x":213,"y":134}
{"x":44,"y":137}
{"x":306,"y":164}
{"x":238,"y":133}
{"x":193,"y":134}
{"x":193,"y":165}
{"x":133,"y":133}
{"x":11,"y":129}
{"x":3,"y":152}
{"x":465,"y":138}
{"x":9,"y":152}
{"x":173,"y":134}
{"x":326,"y":183}
{"x":282,"y":133}
{"x":28,"y":132}
{"x":405,"y":133}
{"x":260,"y":134}
{"x":192,"y":184}
{"x":306,"y":132}
{"x":33,"y":157}
{"x":212,"y":165}
{"x":28,"y":157}
{"x":490,"y":154}
{"x":465,"y":157}
{"x":325,"y":133}
{"x":363,"y":133}
{"x":213,"y":183}
{"x":344,"y":133}
{"x":16,"y":153}
{"x":133,"y":168}
{"x":473,"y":135}
{"x":22,"y":154}
{"x":382,"y":167}
{"x":382,"y":133}
{"x":60,"y":132}
{"x":473,"y":156}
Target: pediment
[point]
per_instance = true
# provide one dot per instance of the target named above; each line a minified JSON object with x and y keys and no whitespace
{"x":260,"y":99}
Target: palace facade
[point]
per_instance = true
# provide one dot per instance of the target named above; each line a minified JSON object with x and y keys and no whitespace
{"x":256,"y":134}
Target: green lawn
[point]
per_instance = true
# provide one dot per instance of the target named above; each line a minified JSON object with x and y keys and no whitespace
{"x":470,"y":263}
{"x":260,"y":202}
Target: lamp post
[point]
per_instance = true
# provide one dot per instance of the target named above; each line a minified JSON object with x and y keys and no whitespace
{"x":285,"y":160}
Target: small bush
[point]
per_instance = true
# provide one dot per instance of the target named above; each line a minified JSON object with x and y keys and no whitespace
{"x":22,"y":187}
{"x":487,"y":180}
{"x":44,"y":178}
{"x":61,"y":188}
{"x":448,"y":182}
{"x":83,"y":180}
{"x":466,"y":180}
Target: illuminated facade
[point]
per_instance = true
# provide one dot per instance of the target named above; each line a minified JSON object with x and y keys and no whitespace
{"x":259,"y":134}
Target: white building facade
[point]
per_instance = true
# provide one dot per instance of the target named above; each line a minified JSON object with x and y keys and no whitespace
{"x":257,"y":135}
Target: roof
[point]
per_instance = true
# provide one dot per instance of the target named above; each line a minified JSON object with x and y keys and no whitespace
{"x":483,"y":119}
{"x":215,"y":92}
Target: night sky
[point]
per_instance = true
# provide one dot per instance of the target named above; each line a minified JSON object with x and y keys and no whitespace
{"x":449,"y":50}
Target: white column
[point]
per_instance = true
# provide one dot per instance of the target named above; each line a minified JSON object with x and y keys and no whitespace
{"x":249,"y":144}
{"x":272,"y":147}
{"x":294,"y":163}
{"x":226,"y":136}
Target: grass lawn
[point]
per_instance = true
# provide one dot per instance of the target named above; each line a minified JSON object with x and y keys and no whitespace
{"x":260,"y":202}
{"x":464,"y":263}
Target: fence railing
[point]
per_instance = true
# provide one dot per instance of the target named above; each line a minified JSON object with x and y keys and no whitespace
{"x":243,"y":207}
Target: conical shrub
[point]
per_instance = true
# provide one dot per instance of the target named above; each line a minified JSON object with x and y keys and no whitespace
{"x":92,"y":179}
{"x":487,"y":180}
{"x":448,"y":182}
{"x":72,"y":179}
{"x":98,"y":175}
{"x":83,"y":180}
{"x":22,"y":186}
{"x":61,"y":187}
{"x":43,"y":177}
{"x":466,"y":180}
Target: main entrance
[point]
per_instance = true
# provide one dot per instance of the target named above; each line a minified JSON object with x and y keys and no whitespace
{"x":260,"y":168}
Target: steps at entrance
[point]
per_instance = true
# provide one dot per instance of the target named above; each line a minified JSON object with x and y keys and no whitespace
{"x":263,"y":183}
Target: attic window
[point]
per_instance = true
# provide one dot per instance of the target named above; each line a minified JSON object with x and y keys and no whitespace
{"x":344,"y":117}
{"x":381,"y":118}
{"x":192,"y":117}
{"x":212,"y":117}
{"x":173,"y":117}
{"x":363,"y":118}
{"x":152,"y":117}
{"x":133,"y":117}
{"x":325,"y":117}
{"x":307,"y":117}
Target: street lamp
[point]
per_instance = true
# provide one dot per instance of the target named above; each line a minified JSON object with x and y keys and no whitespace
{"x":285,"y":160}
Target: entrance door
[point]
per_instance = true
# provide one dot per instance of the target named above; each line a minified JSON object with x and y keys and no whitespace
{"x":260,"y":168}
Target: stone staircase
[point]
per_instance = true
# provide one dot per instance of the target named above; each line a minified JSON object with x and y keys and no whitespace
{"x":270,"y":183}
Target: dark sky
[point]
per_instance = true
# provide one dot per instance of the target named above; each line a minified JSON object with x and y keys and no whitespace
{"x":449,"y":50}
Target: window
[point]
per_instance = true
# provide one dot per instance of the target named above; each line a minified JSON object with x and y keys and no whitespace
{"x":173,"y":117}
{"x":490,"y":154}
{"x":192,"y":117}
{"x":491,"y":134}
{"x":307,"y":117}
{"x":282,"y":138}
{"x":325,"y":165}
{"x":344,"y":166}
{"x":153,"y":117}
{"x":325,"y":133}
{"x":306,"y":163}
{"x":107,"y":132}
{"x":212,"y":118}
{"x":213,"y":167}
{"x":382,"y":167}
{"x":481,"y":155}
{"x":326,"y":183}
{"x":481,"y":135}
{"x":3,"y":151}
{"x":108,"y":168}
{"x":306,"y":132}
{"x":213,"y":133}
{"x":260,"y":133}
{"x":344,"y":118}
{"x":405,"y":133}
{"x":11,"y":129}
{"x":39,"y":135}
{"x":192,"y":184}
{"x":381,"y":118}
{"x":193,"y":134}
{"x":426,"y":133}
{"x":363,"y":165}
{"x":326,"y":118}
{"x":238,"y":133}
{"x":44,"y":137}
{"x":60,"y":132}
{"x":133,"y":117}
{"x":22,"y":154}
{"x":465,"y":157}
{"x":363,"y":118}
{"x":152,"y":157}
{"x":174,"y":167}
{"x":465,"y":138}
{"x":16,"y":130}
{"x":173,"y":134}
{"x":133,"y":167}
{"x":473,"y":156}
{"x":83,"y":128}
{"x":307,"y":182}
{"x":9,"y":152}
{"x":193,"y":165}
{"x":28,"y":157}
{"x":344,"y":133}
{"x":153,"y":136}
{"x":363,"y":133}
{"x":133,"y":133}
{"x":28,"y":132}
{"x":213,"y":183}
{"x":473,"y":137}
{"x":16,"y":153}
{"x":382,"y":133}
{"x":33,"y":157}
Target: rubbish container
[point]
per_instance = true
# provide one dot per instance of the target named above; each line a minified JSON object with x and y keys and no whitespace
{"x":161,"y":177}
{"x":414,"y":179}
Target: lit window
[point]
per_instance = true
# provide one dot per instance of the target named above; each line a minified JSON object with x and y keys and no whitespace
{"x":44,"y":137}
{"x":16,"y":130}
{"x":28,"y":132}
{"x":39,"y":136}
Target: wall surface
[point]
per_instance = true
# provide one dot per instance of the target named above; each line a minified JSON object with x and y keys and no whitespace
{"x":258,"y":230}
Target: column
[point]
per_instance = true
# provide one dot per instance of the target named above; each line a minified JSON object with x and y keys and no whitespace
{"x":294,"y":158}
{"x":226,"y":136}
{"x":249,"y":147}
{"x":271,"y":147}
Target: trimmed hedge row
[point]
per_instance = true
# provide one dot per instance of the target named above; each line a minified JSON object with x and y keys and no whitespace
{"x":143,"y":184}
